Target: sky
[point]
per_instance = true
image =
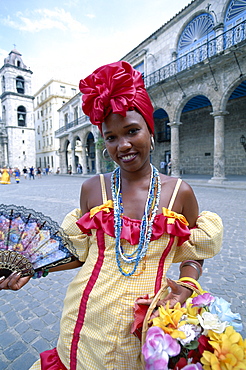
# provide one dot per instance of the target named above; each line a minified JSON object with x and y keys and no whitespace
{"x":69,"y":39}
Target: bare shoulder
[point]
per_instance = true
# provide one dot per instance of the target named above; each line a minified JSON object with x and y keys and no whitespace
{"x":91,"y":193}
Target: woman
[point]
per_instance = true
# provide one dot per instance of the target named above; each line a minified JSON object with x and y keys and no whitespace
{"x":5,"y":179}
{"x":134,"y":225}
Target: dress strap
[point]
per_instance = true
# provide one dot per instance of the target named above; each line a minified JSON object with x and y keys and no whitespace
{"x":103,"y":187}
{"x":176,"y":189}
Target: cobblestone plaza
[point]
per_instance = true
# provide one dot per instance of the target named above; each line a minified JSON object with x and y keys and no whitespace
{"x":29,"y":321}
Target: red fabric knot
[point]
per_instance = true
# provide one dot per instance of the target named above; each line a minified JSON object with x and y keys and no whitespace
{"x":116,"y":88}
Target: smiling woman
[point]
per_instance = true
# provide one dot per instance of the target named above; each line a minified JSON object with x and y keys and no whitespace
{"x":135,"y":223}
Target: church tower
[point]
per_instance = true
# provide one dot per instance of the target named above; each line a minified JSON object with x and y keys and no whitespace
{"x":17,"y":133}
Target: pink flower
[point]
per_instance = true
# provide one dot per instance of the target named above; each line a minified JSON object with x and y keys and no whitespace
{"x":203,"y":300}
{"x":196,"y":366}
{"x":157,"y":349}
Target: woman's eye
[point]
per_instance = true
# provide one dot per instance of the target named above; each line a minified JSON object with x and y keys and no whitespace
{"x":133,"y":131}
{"x":109,"y":138}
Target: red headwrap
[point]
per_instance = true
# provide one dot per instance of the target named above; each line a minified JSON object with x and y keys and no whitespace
{"x":116,"y":88}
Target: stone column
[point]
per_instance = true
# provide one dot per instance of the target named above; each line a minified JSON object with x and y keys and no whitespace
{"x":74,"y":170}
{"x":175,"y":156}
{"x":219,"y":147}
{"x":84,"y":164}
{"x":97,"y":159}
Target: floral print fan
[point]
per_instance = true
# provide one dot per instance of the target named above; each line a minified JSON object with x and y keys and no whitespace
{"x":31,"y":241}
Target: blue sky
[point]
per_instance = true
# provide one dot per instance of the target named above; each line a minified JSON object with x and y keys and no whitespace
{"x":68,"y":39}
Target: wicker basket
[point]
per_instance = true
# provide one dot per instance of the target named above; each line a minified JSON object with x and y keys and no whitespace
{"x":160,"y":295}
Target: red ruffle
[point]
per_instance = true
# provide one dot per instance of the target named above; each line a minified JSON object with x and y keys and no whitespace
{"x":131,"y":228}
{"x":51,"y":361}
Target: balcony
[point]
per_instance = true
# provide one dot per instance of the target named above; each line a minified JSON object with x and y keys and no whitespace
{"x":209,"y":49}
{"x":81,"y":121}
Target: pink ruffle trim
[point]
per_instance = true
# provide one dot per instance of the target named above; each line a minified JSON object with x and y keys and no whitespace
{"x":131,"y":228}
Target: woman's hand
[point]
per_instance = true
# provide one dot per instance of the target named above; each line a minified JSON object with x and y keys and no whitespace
{"x":178,"y":293}
{"x":13,"y":281}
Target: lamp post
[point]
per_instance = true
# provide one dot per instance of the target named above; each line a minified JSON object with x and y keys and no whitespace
{"x":243,"y":141}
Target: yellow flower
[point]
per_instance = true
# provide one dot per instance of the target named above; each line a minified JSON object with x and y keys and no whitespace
{"x":169,"y":320}
{"x":192,"y":312}
{"x":229,"y":351}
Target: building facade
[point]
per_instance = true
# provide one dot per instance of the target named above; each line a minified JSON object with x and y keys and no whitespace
{"x":48,"y":99}
{"x":194,"y":68}
{"x":195,"y":72}
{"x":17,"y":133}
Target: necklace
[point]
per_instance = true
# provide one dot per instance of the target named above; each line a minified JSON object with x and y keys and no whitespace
{"x":151,"y":207}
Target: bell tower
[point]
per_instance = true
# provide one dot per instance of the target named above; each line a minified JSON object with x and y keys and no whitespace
{"x":17,"y":142}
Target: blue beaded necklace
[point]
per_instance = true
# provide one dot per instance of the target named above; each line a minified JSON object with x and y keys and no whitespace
{"x":151,"y":207}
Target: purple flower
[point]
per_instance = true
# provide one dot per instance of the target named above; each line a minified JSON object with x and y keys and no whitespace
{"x":203,"y":300}
{"x":157,"y":349}
{"x":196,"y":366}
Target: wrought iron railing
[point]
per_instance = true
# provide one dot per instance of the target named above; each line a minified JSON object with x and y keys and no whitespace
{"x":207,"y":50}
{"x":77,"y":122}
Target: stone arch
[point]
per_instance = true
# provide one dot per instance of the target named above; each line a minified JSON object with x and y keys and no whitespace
{"x":162,"y":129}
{"x":237,"y":8}
{"x":20,"y":85}
{"x":77,"y":145}
{"x":186,"y":24}
{"x":90,"y":151}
{"x":227,"y":93}
{"x":21,"y":116}
{"x":179,"y":109}
{"x":234,"y":101}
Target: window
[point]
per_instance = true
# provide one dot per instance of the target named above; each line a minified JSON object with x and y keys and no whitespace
{"x":23,"y":141}
{"x":39,"y":145}
{"x":50,"y":123}
{"x":38,"y":129}
{"x":21,"y":116}
{"x":63,"y":89}
{"x":3,"y":84}
{"x":52,"y":161}
{"x":73,"y":91}
{"x":20,"y":85}
{"x":38,"y":114}
{"x":51,"y":140}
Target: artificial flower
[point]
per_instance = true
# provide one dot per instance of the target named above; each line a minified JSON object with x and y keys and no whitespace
{"x":157,"y":349}
{"x":191,"y":332}
{"x":210,"y":321}
{"x":202,"y":300}
{"x":221,"y":308}
{"x":208,"y":341}
{"x":196,"y":366}
{"x":169,"y":320}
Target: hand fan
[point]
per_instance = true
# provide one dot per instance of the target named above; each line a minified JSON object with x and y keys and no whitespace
{"x":31,"y":241}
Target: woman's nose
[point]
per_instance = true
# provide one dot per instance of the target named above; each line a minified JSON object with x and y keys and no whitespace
{"x":124,"y":144}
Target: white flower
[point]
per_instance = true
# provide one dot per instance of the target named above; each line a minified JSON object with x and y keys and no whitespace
{"x":211,"y":321}
{"x":191,"y":331}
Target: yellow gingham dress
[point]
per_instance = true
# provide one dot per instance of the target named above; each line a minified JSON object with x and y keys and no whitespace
{"x":98,"y":308}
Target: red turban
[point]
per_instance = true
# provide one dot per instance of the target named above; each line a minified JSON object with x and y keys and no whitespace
{"x":116,"y":88}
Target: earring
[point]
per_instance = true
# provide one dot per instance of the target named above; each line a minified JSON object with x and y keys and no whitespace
{"x":105,"y":154}
{"x":152,"y":146}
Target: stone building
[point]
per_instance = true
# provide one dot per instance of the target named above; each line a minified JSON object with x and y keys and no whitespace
{"x":77,"y":139}
{"x":17,"y":134}
{"x":48,"y":99}
{"x":194,"y":68}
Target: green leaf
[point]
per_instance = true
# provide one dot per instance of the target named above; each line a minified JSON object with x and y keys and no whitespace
{"x":192,"y":345}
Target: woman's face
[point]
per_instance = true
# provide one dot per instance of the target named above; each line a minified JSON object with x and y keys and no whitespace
{"x":127,"y":140}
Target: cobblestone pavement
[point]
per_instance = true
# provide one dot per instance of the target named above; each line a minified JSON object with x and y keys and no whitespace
{"x":29,"y":318}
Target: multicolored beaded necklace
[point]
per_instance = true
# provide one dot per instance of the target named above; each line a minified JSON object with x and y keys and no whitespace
{"x":151,"y":207}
